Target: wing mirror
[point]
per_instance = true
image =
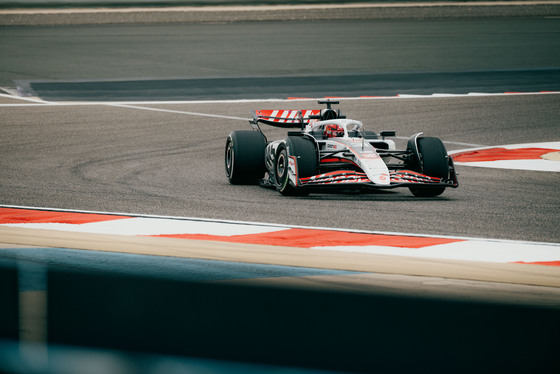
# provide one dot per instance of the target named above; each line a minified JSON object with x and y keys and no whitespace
{"x":387,"y":133}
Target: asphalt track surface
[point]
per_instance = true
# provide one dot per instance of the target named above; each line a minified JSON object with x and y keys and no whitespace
{"x":147,"y":156}
{"x":169,"y":161}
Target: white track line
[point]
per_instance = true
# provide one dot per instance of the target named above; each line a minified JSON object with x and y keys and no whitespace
{"x":15,"y":97}
{"x":177,"y":112}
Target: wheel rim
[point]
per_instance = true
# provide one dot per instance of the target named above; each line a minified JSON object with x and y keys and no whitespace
{"x":229,"y":159}
{"x":281,"y":166}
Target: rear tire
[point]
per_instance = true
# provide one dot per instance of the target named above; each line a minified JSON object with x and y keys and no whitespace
{"x":434,"y":164}
{"x":244,"y":157}
{"x":306,"y":164}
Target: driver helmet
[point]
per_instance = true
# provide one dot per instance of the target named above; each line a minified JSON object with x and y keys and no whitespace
{"x":333,"y":131}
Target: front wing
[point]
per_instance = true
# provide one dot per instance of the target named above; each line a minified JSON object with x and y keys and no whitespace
{"x":356,"y":179}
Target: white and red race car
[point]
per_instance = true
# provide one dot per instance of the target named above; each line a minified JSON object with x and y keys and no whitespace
{"x":330,"y":151}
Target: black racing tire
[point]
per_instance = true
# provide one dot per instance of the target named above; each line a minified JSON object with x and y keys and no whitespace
{"x":306,"y":164}
{"x":434,"y":164}
{"x":244,"y":157}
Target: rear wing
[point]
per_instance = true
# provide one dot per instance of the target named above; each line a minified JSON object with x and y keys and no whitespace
{"x":294,"y":118}
{"x":287,"y":118}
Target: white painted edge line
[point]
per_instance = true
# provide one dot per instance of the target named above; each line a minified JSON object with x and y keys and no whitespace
{"x":135,"y":215}
{"x":143,"y":226}
{"x":178,"y":112}
{"x":16,"y":97}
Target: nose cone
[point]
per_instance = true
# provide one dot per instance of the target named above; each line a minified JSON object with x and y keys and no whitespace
{"x":382,"y":178}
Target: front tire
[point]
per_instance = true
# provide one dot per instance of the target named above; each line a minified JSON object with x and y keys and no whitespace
{"x":305,"y":155}
{"x":244,"y":157}
{"x":434,"y":164}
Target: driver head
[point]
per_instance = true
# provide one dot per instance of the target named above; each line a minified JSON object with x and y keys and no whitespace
{"x":333,"y":131}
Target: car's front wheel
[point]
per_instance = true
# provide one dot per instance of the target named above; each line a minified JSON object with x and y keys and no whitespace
{"x":434,"y":164}
{"x":297,"y":157}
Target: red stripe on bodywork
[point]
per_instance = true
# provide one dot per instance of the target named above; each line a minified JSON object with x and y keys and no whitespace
{"x":337,"y":159}
{"x":497,"y":154}
{"x":307,"y":238}
{"x":15,"y":215}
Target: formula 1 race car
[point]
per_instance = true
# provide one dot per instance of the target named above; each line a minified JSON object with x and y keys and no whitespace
{"x":332,"y":152}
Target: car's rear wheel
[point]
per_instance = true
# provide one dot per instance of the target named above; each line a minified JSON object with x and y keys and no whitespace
{"x":304,"y":157}
{"x":434,"y":164}
{"x":244,"y":157}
